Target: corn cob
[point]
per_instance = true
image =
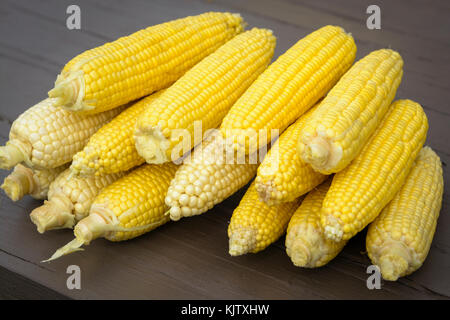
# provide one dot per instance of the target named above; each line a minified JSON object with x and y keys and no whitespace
{"x":35,"y":182}
{"x":289,"y":87}
{"x":69,"y":200}
{"x":111,"y":149}
{"x":283,"y":176}
{"x":360,"y":191}
{"x":351,"y":111}
{"x":47,"y":137}
{"x":254,"y":225}
{"x":126,"y":209}
{"x":306,"y":244}
{"x":141,"y":63}
{"x":206,"y":179}
{"x":205,"y":93}
{"x":399,"y":239}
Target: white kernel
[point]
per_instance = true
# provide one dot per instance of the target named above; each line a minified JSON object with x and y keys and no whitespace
{"x":175,"y":213}
{"x":186,"y":212}
{"x":179,"y":188}
{"x":190,"y":190}
{"x":200,"y":203}
{"x":193,"y":201}
{"x":175,"y":195}
{"x":184,"y":199}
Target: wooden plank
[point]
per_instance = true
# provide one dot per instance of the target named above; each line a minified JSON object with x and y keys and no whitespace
{"x":16,"y":287}
{"x":189,"y":259}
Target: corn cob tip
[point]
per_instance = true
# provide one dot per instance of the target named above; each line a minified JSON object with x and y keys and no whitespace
{"x":53,"y":215}
{"x":80,"y":163}
{"x":265,"y":190}
{"x":242,"y":241}
{"x":10,"y":155}
{"x":13,"y":189}
{"x":152,"y":145}
{"x":72,"y":246}
{"x":392,"y":267}
{"x":238,"y":23}
{"x":175,"y":213}
{"x":393,"y":260}
{"x":300,"y":255}
{"x":333,"y":230}
{"x":333,"y":233}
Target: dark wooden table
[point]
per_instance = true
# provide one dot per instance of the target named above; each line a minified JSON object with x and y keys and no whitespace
{"x":189,"y":259}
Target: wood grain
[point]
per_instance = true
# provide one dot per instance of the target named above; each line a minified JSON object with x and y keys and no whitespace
{"x":189,"y":259}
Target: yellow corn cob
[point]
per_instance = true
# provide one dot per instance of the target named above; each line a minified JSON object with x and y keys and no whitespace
{"x":69,"y":200}
{"x":283,"y":176}
{"x":47,"y":137}
{"x":254,"y":225}
{"x":351,"y":111}
{"x":205,"y":93}
{"x":306,"y":244}
{"x":35,"y":182}
{"x":111,"y":149}
{"x":289,"y":87}
{"x":360,"y":191}
{"x":128,"y":208}
{"x":398,"y":240}
{"x":206,"y":179}
{"x":141,"y":63}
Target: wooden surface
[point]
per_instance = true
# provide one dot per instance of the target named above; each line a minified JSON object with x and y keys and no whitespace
{"x":189,"y":259}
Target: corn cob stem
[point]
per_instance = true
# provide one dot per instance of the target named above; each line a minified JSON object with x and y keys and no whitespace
{"x":203,"y":94}
{"x":69,"y":90}
{"x":24,"y":180}
{"x":46,"y":136}
{"x":97,"y":225}
{"x":350,"y":113}
{"x":320,"y":150}
{"x":146,"y":61}
{"x":116,"y":219}
{"x":11,"y":154}
{"x":19,"y":183}
{"x":69,"y":200}
{"x":54,"y":214}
